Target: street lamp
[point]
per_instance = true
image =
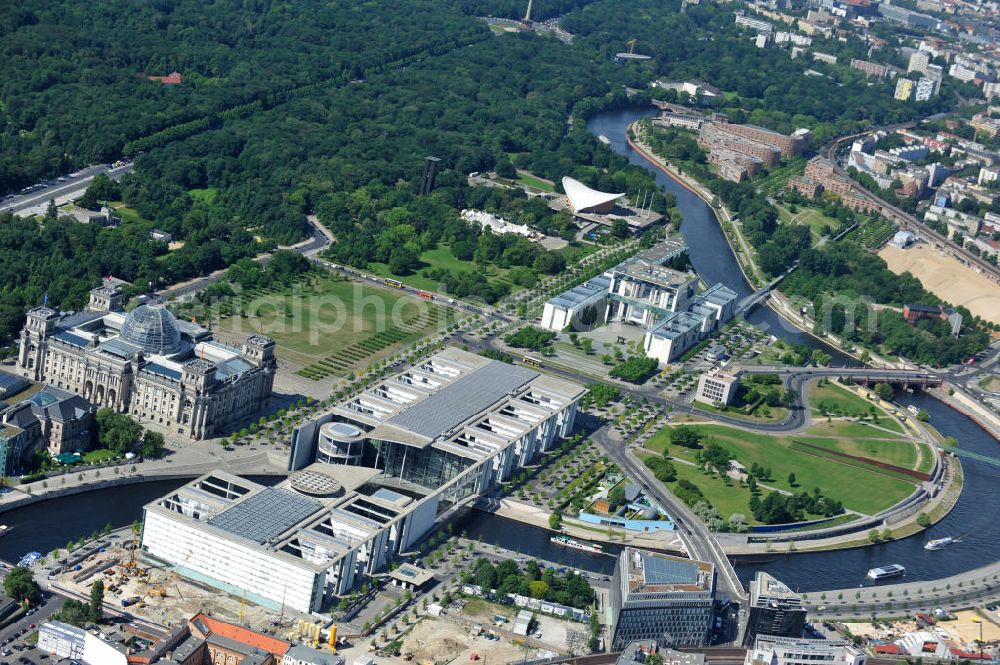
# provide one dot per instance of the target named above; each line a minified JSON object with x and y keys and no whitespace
{"x":980,"y":645}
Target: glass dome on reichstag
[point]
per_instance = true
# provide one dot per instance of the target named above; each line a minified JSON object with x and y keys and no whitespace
{"x":153,"y":329}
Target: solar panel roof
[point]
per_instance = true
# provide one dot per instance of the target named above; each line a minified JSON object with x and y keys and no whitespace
{"x":120,"y":348}
{"x":462,"y":399}
{"x":70,"y":338}
{"x":658,"y":570}
{"x":265,"y":515}
{"x":163,"y":370}
{"x":78,"y":319}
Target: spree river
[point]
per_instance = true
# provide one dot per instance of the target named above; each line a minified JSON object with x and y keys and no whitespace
{"x":50,"y":524}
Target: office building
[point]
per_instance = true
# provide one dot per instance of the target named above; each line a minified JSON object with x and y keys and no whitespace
{"x":717,"y":388}
{"x":787,"y":145}
{"x":904,"y":89}
{"x":65,"y":641}
{"x":775,"y":610}
{"x":918,"y":62}
{"x":11,"y":449}
{"x":870,"y":68}
{"x":54,"y":419}
{"x":907,"y":17}
{"x":988,"y":174}
{"x":660,"y":597}
{"x":772,"y":650}
{"x":637,"y":290}
{"x":645,"y":291}
{"x":753,"y":23}
{"x":926,"y":89}
{"x":962,"y":73}
{"x":580,"y":308}
{"x":805,"y":186}
{"x":147,"y":363}
{"x":431,"y":438}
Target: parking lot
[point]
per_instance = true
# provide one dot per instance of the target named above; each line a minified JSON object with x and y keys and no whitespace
{"x":14,"y":644}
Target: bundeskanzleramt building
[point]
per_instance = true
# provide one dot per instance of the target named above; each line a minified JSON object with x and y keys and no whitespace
{"x":370,"y":478}
{"x":645,"y":291}
{"x":148,"y":364}
{"x":664,"y":598}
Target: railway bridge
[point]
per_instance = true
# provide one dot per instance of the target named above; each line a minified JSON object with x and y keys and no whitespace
{"x":902,"y":378}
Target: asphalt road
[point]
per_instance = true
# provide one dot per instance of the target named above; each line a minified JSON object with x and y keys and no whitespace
{"x":61,"y":190}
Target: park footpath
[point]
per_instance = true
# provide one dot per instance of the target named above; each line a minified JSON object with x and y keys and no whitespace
{"x":188,"y":460}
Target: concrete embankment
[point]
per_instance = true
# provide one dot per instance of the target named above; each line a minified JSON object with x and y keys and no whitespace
{"x":539,"y":518}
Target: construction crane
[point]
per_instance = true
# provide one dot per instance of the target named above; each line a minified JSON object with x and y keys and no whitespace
{"x":631,"y":45}
{"x":131,"y":564}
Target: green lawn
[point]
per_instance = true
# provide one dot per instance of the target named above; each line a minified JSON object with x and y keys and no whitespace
{"x":865,"y":489}
{"x":530,"y":180}
{"x":774,"y":413}
{"x":439,"y":257}
{"x":98,"y":455}
{"x":837,"y":397}
{"x":891,"y":451}
{"x":206,"y":195}
{"x":334,"y":314}
{"x":128,"y":215}
{"x":727,"y":499}
{"x":811,"y":217}
{"x":857,"y":428}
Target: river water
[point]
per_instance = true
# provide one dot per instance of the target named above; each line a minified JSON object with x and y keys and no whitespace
{"x":50,"y":524}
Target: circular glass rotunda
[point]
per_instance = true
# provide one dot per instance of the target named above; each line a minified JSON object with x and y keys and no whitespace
{"x":153,"y":329}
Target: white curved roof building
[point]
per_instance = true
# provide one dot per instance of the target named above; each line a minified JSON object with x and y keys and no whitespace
{"x":584,"y":199}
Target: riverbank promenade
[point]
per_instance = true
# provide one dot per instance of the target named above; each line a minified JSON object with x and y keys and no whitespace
{"x":187,"y":461}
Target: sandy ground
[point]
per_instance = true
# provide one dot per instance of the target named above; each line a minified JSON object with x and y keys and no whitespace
{"x":965,"y":628}
{"x":867,"y":630}
{"x":183,"y":598}
{"x":946,"y":278}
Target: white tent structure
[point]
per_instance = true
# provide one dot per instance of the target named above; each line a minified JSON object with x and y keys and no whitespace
{"x":584,"y":199}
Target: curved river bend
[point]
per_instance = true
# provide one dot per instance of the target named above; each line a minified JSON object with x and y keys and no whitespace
{"x":50,"y":524}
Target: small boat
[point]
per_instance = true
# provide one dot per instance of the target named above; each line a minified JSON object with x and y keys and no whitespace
{"x":913,"y":410}
{"x":566,"y":541}
{"x":940,"y":543}
{"x":604,"y":139}
{"x":4,"y":529}
{"x":892,"y":570}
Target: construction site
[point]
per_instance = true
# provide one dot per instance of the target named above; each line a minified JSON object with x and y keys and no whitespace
{"x":159,"y":594}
